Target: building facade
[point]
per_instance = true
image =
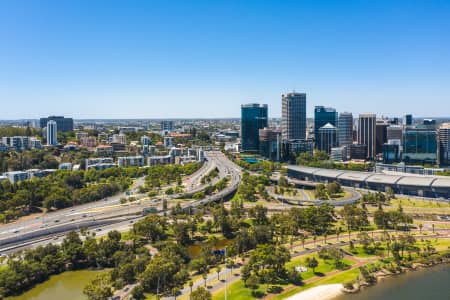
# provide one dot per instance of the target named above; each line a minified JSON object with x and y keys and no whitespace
{"x":367,"y":133}
{"x":328,"y":138}
{"x":322,"y":116}
{"x":253,"y":118}
{"x":63,"y":124}
{"x":270,"y":143}
{"x":444,"y":144}
{"x":345,"y":127}
{"x":419,"y":146}
{"x":52,"y":133}
{"x":293,"y":114}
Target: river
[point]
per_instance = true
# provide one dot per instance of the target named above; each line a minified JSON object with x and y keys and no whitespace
{"x":430,"y":284}
{"x":67,"y":285}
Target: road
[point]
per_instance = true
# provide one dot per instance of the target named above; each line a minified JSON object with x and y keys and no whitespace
{"x":108,"y":214}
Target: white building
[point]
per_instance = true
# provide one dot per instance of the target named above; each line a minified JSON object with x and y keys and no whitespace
{"x":52,"y":133}
{"x":131,"y":161}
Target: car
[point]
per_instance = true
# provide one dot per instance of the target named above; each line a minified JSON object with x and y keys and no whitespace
{"x":16,"y":231}
{"x":98,"y":229}
{"x":57,"y":221}
{"x":84,"y":216}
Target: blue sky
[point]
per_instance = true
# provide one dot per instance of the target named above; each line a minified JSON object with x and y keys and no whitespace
{"x":162,"y":59}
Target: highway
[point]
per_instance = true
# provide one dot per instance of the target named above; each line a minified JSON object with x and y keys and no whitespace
{"x":109,"y":214}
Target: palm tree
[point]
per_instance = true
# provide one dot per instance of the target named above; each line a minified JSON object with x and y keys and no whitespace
{"x":420,"y":227}
{"x":218,"y":269}
{"x":205,"y":276}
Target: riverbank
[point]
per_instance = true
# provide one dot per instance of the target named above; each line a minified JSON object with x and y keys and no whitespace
{"x":426,"y":283}
{"x":380,"y":273}
{"x":321,"y":292}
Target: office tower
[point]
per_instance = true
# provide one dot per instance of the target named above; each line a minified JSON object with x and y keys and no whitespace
{"x":429,"y":122}
{"x":166,"y":127}
{"x":391,"y":152}
{"x":63,"y":124}
{"x":323,"y":116}
{"x":52,"y":133}
{"x":328,"y":138}
{"x":407,"y":120}
{"x":358,"y":151}
{"x":367,"y":133}
{"x":381,"y":135}
{"x":345,"y":127}
{"x":293,"y":113}
{"x":419,"y":146}
{"x":253,"y":118}
{"x":444,"y":144}
{"x":145,"y":140}
{"x":394,"y":132}
{"x":270,"y":143}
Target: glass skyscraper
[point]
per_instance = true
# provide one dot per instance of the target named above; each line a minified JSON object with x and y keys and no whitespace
{"x":420,"y":146}
{"x":253,"y":118}
{"x":345,"y":126}
{"x":367,"y":133}
{"x":293,"y":113}
{"x":322,"y":116}
{"x":328,"y":138}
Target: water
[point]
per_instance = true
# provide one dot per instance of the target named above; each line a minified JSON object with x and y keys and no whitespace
{"x":430,"y":284}
{"x":67,"y":285}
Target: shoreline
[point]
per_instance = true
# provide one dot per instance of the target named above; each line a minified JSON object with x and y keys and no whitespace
{"x":320,"y":292}
{"x":384,"y":275}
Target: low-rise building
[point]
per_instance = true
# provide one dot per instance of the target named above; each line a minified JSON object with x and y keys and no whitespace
{"x":130,"y":161}
{"x":159,"y":160}
{"x":104,"y":150}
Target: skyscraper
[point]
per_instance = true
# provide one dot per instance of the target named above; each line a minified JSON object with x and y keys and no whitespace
{"x":407,"y":120}
{"x":322,"y":116}
{"x":345,"y":127}
{"x":52,"y":133}
{"x":293,"y":113}
{"x":367,"y":133}
{"x":328,"y":138}
{"x":253,"y":118}
{"x":381,"y":135}
{"x":444,"y":144}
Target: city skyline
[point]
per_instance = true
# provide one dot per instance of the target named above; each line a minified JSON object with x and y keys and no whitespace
{"x":382,"y":57}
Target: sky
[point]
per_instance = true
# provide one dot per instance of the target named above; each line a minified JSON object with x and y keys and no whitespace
{"x":203,"y":59}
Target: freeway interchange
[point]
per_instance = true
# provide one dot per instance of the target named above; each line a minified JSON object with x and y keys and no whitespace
{"x":110,"y":214}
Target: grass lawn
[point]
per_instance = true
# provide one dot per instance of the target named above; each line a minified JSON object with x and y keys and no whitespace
{"x":343,"y":277}
{"x":325,"y":266}
{"x":358,"y":251}
{"x":237,"y":291}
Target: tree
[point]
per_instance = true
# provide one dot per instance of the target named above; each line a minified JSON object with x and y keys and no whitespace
{"x":138,"y":293}
{"x":253,"y":283}
{"x":201,"y":293}
{"x":218,"y":269}
{"x":312,"y":263}
{"x":99,"y":288}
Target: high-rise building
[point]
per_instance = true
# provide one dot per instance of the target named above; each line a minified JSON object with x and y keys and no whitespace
{"x":345,"y":127}
{"x":253,"y":118}
{"x":63,"y":124}
{"x":166,"y":127}
{"x":444,"y":144}
{"x":270,"y":143}
{"x":407,"y":120}
{"x":419,"y":146}
{"x":328,"y":138}
{"x":52,"y":133}
{"x":394,"y":132}
{"x":322,"y":116}
{"x":381,"y":135}
{"x":293,"y":113}
{"x":367,"y":133}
